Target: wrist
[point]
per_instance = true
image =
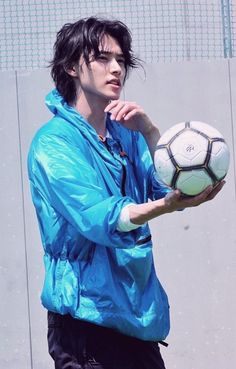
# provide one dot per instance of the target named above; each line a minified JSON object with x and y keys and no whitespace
{"x":142,"y":213}
{"x":151,"y":137}
{"x":171,"y":201}
{"x":151,"y":132}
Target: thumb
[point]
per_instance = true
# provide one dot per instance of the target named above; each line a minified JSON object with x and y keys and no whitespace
{"x":175,"y":194}
{"x":172,"y":197}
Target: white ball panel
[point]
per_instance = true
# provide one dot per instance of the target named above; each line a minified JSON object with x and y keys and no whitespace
{"x":219,"y":161}
{"x":189,"y":148}
{"x":163,"y":165}
{"x":183,"y":161}
{"x":193,"y":182}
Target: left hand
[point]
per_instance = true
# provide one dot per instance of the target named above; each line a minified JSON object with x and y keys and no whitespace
{"x":142,"y":213}
{"x":175,"y":200}
{"x":131,"y":115}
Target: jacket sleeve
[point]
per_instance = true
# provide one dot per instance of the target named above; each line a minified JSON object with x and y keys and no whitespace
{"x":70,"y":184}
{"x":153,"y":188}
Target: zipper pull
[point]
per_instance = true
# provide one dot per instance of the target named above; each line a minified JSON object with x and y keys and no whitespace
{"x":101,"y":138}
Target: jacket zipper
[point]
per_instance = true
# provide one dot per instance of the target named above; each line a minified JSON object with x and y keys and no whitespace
{"x":124,"y":172}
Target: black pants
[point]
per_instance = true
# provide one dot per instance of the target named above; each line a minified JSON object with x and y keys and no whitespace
{"x":74,"y":344}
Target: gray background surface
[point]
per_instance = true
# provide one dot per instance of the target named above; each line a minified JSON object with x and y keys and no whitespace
{"x":195,"y":250}
{"x":162,"y":30}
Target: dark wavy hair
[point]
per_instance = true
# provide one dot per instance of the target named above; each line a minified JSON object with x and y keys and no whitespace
{"x":83,"y":38}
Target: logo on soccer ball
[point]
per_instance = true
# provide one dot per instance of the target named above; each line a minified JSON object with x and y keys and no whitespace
{"x":190,"y":148}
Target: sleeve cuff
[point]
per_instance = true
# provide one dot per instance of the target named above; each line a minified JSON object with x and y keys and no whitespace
{"x":124,"y":224}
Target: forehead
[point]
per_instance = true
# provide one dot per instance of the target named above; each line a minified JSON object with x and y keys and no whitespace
{"x":110,"y":44}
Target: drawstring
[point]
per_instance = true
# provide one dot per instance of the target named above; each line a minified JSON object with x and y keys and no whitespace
{"x":122,"y":154}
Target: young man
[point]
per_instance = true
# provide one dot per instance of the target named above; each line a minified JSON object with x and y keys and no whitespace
{"x":91,"y":175}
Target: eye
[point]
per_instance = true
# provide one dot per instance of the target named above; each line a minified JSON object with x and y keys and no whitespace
{"x":102,"y":57}
{"x":121,"y":61}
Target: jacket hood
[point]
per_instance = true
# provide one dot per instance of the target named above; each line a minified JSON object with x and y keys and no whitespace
{"x":58,"y":106}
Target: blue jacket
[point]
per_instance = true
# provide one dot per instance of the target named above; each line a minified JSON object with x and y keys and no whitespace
{"x":79,"y":186}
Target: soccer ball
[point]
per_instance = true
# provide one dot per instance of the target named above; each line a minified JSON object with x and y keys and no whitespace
{"x":191,"y":156}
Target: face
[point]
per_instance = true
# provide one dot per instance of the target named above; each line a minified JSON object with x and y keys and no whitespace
{"x":104,"y":76}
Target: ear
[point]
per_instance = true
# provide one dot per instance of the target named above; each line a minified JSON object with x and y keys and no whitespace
{"x":72,"y":71}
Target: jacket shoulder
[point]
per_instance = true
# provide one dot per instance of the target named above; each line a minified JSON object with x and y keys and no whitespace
{"x":56,"y":128}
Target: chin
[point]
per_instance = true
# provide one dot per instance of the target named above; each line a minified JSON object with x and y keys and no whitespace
{"x":114,"y":96}
{"x":109,"y":95}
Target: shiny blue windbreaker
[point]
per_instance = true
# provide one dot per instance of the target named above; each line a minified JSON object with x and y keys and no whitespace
{"x":79,"y":185}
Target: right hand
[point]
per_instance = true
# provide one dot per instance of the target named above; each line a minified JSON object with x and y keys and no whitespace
{"x":131,"y":115}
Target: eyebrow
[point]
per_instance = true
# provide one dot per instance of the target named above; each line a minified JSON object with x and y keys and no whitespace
{"x":111,"y":53}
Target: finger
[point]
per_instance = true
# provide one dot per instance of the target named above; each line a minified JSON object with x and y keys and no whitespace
{"x":208,"y":194}
{"x":172,"y":197}
{"x":204,"y":194}
{"x":127,"y":112}
{"x":216,"y":189}
{"x":131,"y":114}
{"x":111,"y":105}
{"x":117,"y":111}
{"x":121,"y":109}
{"x":220,"y":184}
{"x":192,"y":201}
{"x":114,"y":108}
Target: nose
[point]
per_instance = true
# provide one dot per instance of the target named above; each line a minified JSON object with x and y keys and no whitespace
{"x":115,"y":67}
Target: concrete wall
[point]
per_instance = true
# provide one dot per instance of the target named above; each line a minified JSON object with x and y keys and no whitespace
{"x":195,"y":250}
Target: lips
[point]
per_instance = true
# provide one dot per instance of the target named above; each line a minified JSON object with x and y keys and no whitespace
{"x":115,"y":82}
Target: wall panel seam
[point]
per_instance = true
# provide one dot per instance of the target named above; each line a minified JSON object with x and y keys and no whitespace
{"x":232,"y":124}
{"x":24,"y":218}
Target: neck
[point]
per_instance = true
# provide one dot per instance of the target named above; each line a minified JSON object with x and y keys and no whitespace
{"x":93,"y":111}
